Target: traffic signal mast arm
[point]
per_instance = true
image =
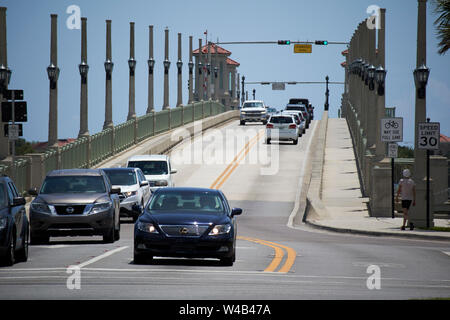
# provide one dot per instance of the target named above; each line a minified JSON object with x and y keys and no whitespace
{"x":284,"y":42}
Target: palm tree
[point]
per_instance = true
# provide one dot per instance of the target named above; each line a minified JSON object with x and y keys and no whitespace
{"x":442,"y":24}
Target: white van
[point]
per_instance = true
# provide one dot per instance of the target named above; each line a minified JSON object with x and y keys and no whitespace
{"x":156,"y":168}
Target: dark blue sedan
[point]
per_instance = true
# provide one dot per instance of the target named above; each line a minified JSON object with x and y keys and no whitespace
{"x":186,"y":222}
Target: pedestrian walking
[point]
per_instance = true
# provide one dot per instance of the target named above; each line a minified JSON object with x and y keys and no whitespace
{"x":407,"y":189}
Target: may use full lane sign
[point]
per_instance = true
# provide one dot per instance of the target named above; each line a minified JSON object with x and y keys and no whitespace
{"x":392,"y":130}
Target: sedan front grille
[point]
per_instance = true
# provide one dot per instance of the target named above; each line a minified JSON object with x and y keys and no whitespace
{"x":192,"y":230}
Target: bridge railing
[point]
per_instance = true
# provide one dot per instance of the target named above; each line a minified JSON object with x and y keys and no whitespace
{"x":85,"y":152}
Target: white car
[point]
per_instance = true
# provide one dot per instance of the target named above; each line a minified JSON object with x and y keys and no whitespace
{"x":299,"y":116}
{"x":253,"y":111}
{"x":156,"y":168}
{"x":134,"y":189}
{"x":282,"y":128}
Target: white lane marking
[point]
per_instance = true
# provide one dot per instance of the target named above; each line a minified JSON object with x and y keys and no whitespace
{"x":102,"y":256}
{"x":293,"y":214}
{"x":446,"y":252}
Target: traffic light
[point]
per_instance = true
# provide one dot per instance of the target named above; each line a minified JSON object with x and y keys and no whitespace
{"x":283,"y":42}
{"x":321,"y":42}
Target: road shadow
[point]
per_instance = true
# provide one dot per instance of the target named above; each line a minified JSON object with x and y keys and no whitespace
{"x":194,"y":262}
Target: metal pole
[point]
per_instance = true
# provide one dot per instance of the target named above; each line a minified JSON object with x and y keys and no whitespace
{"x":392,"y":187}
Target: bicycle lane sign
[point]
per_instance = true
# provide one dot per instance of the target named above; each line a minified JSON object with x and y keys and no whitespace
{"x":392,"y":129}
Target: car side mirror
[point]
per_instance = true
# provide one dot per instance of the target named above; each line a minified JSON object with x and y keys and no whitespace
{"x":236,"y":212}
{"x":19,"y":201}
{"x":115,"y":190}
{"x":173,"y":171}
{"x":33,"y":192}
{"x":144,"y":183}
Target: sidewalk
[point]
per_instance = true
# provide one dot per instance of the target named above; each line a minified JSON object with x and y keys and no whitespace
{"x":345,"y":210}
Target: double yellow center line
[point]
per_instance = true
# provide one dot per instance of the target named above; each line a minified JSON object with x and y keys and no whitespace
{"x":235,"y":163}
{"x":279,"y":255}
{"x":279,"y":252}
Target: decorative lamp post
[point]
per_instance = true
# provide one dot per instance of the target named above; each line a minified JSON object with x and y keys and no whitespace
{"x":371,"y":76}
{"x":421,"y":75}
{"x":380,"y":77}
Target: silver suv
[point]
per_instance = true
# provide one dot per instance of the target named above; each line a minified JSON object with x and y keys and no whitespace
{"x":75,"y":202}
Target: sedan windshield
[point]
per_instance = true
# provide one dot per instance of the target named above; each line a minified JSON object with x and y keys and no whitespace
{"x":187,"y":201}
{"x":121,"y":177}
{"x":150,"y":167}
{"x":73,"y":184}
{"x":253,"y":105}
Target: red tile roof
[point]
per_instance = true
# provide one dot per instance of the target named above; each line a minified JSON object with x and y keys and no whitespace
{"x":61,"y":142}
{"x":213,"y":47}
{"x":444,"y":138}
{"x":232,"y":62}
{"x":345,"y":52}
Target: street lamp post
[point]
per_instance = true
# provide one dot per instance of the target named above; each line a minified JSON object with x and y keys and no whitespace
{"x":179,"y":68}
{"x":327,"y":94}
{"x":191,"y":70}
{"x":166,"y":64}
{"x":132,"y":67}
{"x":53,"y":74}
{"x":109,"y":66}
{"x":151,"y":65}
{"x":83,"y":67}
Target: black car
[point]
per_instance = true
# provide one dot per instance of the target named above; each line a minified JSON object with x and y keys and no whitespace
{"x":14,"y":226}
{"x":186,"y":222}
{"x":75,"y":202}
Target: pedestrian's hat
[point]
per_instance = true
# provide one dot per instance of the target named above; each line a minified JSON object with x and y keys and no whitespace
{"x":406,"y":173}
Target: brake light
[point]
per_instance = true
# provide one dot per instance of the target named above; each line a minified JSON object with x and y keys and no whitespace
{"x":292,"y":126}
{"x":269,"y":126}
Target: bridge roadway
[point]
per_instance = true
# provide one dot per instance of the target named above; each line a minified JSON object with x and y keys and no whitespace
{"x":274,"y":261}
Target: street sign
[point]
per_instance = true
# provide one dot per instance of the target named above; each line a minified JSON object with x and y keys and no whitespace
{"x":390,"y":112}
{"x":302,"y":48}
{"x":428,"y":135}
{"x":392,"y":130}
{"x":18,"y":94}
{"x":13,"y":131}
{"x":20,"y":111}
{"x":278,"y":86}
{"x":393,"y":150}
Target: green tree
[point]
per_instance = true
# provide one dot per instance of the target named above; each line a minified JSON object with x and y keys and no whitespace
{"x":23,"y":147}
{"x":442,"y":24}
{"x":405,"y":152}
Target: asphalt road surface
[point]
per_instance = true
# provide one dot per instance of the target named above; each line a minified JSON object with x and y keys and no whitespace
{"x":273,"y":260}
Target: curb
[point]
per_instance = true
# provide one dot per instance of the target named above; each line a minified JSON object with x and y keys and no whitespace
{"x":376,"y":233}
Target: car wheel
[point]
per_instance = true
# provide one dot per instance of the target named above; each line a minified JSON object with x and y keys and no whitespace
{"x":264,"y":122}
{"x":242,"y":123}
{"x":40,"y":238}
{"x":141,"y":258}
{"x":109,"y":237}
{"x":10,"y":256}
{"x":295,"y":141}
{"x":268,"y":141}
{"x":227,"y":261}
{"x":22,"y":254}
{"x":117,"y":234}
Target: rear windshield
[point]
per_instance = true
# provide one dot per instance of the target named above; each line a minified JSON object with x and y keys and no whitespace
{"x":150,"y":167}
{"x":253,"y":105}
{"x":121,"y":177}
{"x":281,"y":120}
{"x":301,"y":108}
{"x":73,"y":184}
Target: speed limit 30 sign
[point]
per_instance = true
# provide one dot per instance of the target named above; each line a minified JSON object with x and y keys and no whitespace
{"x":428,"y":135}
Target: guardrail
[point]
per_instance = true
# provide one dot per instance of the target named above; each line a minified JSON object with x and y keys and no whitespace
{"x":86,"y":152}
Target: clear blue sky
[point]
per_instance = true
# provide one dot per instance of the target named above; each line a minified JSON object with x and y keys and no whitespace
{"x":28,"y":32}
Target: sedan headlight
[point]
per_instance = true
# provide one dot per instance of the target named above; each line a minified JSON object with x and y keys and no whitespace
{"x":3,"y":223}
{"x":40,"y":207}
{"x":220,"y":229}
{"x":147,"y":227}
{"x":161,"y":183}
{"x":99,"y":207}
